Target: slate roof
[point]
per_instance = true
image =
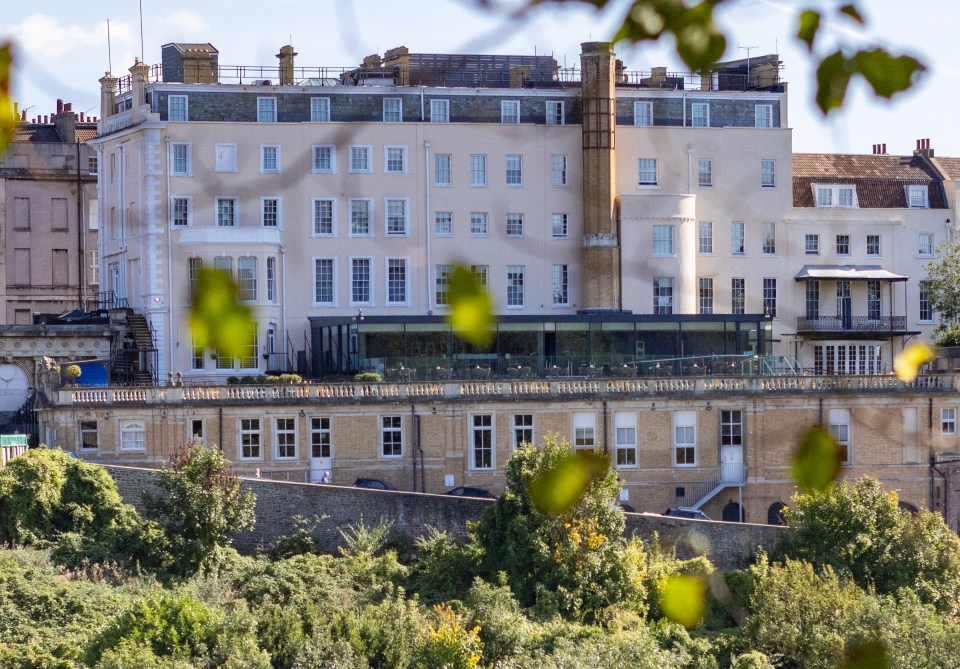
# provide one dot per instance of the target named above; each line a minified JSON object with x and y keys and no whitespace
{"x":848,"y":273}
{"x":879,"y":179}
{"x":47,"y":132}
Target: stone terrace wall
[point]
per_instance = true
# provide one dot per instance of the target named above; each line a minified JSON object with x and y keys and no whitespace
{"x":729,"y":545}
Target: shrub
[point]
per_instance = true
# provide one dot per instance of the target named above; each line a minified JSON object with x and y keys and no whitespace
{"x":368,"y":377}
{"x":448,"y":644}
{"x":752,"y":660}
{"x":947,"y":334}
{"x":444,"y":567}
{"x":72,"y":372}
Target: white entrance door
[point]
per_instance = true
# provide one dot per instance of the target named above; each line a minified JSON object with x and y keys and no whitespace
{"x":731,"y":464}
{"x":321,"y":448}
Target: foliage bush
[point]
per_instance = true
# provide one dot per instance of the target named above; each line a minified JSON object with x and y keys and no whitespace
{"x":448,"y":644}
{"x":265,"y":379}
{"x":947,"y":334}
{"x":574,"y":563}
{"x":444,"y":568}
{"x":368,"y":377}
{"x":201,"y":506}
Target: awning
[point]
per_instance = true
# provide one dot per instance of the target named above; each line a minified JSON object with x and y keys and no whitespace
{"x":848,"y":273}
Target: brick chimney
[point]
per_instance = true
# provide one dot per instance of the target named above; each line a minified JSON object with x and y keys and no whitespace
{"x":65,"y":122}
{"x":108,"y":95}
{"x":138,"y":82}
{"x":923,"y":148}
{"x":286,"y":65}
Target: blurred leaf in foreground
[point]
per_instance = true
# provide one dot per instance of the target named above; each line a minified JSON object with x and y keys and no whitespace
{"x":471,"y":309}
{"x":816,"y":464}
{"x":908,"y":362}
{"x":870,"y":655}
{"x":558,"y":489}
{"x":8,"y":120}
{"x":217,"y":318}
{"x":683,"y":599}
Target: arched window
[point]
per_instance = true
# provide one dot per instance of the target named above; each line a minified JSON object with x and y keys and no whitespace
{"x":732,"y":513}
{"x":907,"y":506}
{"x":775,"y":514}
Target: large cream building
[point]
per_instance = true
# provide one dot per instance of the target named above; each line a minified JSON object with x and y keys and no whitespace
{"x":672,"y":283}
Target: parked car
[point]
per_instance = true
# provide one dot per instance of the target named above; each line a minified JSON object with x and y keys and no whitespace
{"x":467,"y":491}
{"x":373,"y":484}
{"x":686,"y":512}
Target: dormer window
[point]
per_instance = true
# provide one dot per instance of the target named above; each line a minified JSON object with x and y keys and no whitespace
{"x":917,"y":197}
{"x":835,"y":195}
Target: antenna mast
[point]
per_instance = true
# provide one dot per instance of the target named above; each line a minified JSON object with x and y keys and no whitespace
{"x":748,"y":49}
{"x":141,"y":31}
{"x":109,"y":50}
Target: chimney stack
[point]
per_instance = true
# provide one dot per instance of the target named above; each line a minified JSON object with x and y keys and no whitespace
{"x":108,"y":95}
{"x":923,"y":148}
{"x":286,"y":65}
{"x":65,"y":122}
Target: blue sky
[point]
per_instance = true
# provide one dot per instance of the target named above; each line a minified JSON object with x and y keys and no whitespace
{"x":62,"y":49}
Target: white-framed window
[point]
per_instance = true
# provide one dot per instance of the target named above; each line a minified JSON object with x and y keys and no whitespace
{"x":94,"y":264}
{"x":839,"y":427}
{"x":663,"y":295}
{"x":510,"y":111}
{"x":361,"y":217}
{"x":835,"y":195}
{"x":324,"y":217}
{"x":684,"y":438}
{"x":442,"y":293}
{"x":558,"y":228}
{"x":88,"y":435}
{"x":763,"y":116}
{"x":361,"y":281}
{"x":133,"y":435}
{"x":874,"y":304}
{"x":224,"y":264}
{"x":320,"y":110}
{"x":481,"y":441}
{"x":925,"y":244}
{"x":249,"y":439}
{"x":478,"y":170}
{"x":479,"y":226}
{"x":395,"y":213}
{"x":194,"y":265}
{"x":770,"y":297}
{"x":642,"y":113}
{"x":360,"y":158}
{"x":271,"y":279}
{"x":443,"y":223}
{"x":705,"y":173}
{"x":324,"y":158}
{"x":181,"y":211}
{"x":561,"y":289}
{"x":647,"y":172}
{"x":285,"y":438}
{"x":917,"y":197}
{"x":269,"y":159}
{"x":926,"y":309}
{"x":392,"y":110}
{"x":738,"y":295}
{"x":481,"y":273}
{"x":522,"y":432}
{"x":325,"y":281}
{"x":397,"y":281}
{"x":555,"y":112}
{"x":515,"y":225}
{"x":395,"y":159}
{"x":225,"y":157}
{"x":177,"y":108}
{"x":700,"y":114}
{"x":843,"y":245}
{"x":180,"y":162}
{"x":391,"y":436}
{"x":270,"y":212}
{"x":247,"y":278}
{"x":515,"y":286}
{"x":584,"y":431}
{"x":873,"y":246}
{"x":558,"y":170}
{"x":705,"y":290}
{"x":737,"y":243}
{"x":811,"y":244}
{"x":948,"y":420}
{"x":196,"y":353}
{"x":705,"y":242}
{"x":514,"y":173}
{"x":443,"y":169}
{"x":768,"y":173}
{"x":266,"y":110}
{"x":663,"y":240}
{"x":321,"y":437}
{"x":769,"y":246}
{"x":227,"y":212}
{"x":625,"y":433}
{"x":439,"y":111}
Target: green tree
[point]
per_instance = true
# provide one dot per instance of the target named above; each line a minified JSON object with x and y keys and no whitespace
{"x":860,"y":532}
{"x":943,"y":273}
{"x":576,"y":562}
{"x":201,"y":505}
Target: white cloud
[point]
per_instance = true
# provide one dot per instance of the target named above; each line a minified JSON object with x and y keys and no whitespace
{"x":46,"y":38}
{"x":183,"y":26}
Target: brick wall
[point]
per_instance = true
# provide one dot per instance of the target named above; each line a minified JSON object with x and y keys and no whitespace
{"x":729,"y":545}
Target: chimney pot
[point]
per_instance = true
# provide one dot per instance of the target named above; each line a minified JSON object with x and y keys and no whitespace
{"x":919,"y":143}
{"x":884,"y":149}
{"x":59,"y":105}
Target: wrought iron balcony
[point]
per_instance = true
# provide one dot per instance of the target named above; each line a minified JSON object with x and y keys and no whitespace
{"x":853,"y":324}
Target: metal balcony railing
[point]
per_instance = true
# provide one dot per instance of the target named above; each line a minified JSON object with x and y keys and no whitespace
{"x":852,"y":324}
